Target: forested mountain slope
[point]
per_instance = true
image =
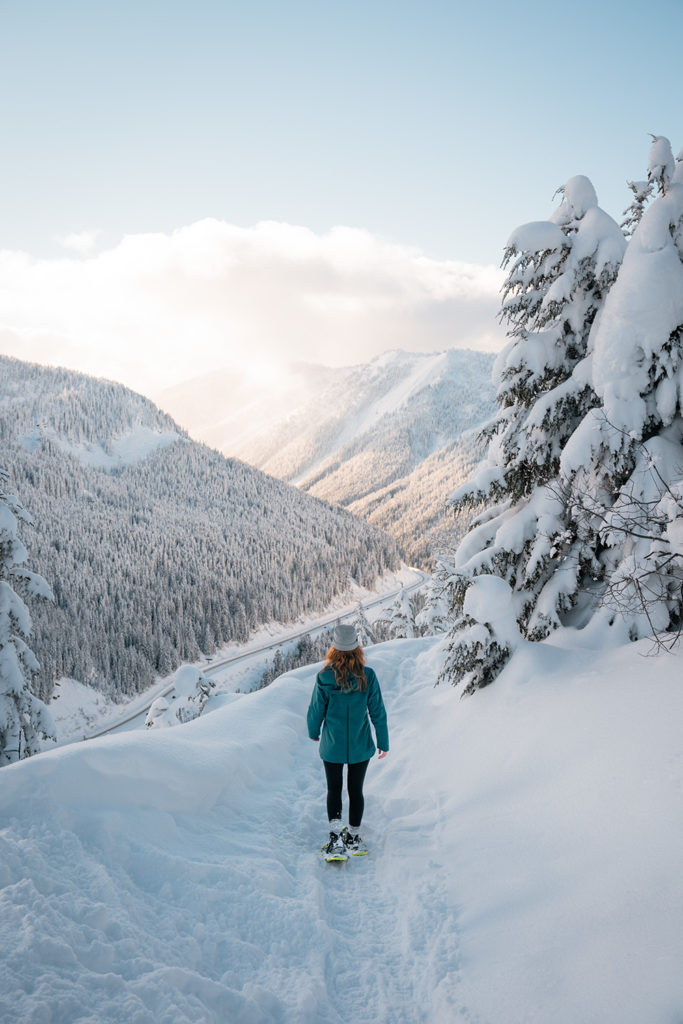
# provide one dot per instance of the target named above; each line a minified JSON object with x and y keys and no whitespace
{"x":386,"y":441}
{"x":157,"y":548}
{"x":389,"y":439}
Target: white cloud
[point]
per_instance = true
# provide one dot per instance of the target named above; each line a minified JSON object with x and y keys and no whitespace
{"x":158,"y":309}
{"x":81,"y":242}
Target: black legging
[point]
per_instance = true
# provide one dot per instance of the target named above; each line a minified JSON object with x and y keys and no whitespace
{"x":354,"y":783}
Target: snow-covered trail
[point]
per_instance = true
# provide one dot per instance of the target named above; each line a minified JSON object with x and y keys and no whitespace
{"x":525,"y":866}
{"x":175,"y":877}
{"x":388,"y":940}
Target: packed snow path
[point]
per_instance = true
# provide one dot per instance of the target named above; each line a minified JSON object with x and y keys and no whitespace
{"x":525,"y":866}
{"x":176,"y":878}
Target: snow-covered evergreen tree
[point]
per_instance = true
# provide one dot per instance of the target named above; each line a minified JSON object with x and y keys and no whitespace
{"x":401,"y":618}
{"x":660,"y":170}
{"x":488,"y":633}
{"x":589,"y":499}
{"x":24,"y":719}
{"x":559,"y":274}
{"x":363,"y":628}
{"x":433,"y":617}
{"x":661,"y":166}
{"x":623,"y":468}
{"x":642,"y":193}
{"x":191,"y":690}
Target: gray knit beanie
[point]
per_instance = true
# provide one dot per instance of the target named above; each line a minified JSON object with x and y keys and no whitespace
{"x":344,"y":638}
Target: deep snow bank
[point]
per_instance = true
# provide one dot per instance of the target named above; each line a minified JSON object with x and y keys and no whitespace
{"x":526,"y":849}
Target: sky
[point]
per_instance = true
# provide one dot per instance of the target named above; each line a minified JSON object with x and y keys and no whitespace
{"x":191,"y":185}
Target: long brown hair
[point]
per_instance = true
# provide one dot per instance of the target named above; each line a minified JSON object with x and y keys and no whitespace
{"x":346,"y":665}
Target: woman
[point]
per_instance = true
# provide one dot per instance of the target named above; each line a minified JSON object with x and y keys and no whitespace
{"x":346,"y":692}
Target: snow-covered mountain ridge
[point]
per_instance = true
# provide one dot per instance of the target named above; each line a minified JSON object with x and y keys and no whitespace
{"x":359,"y":436}
{"x":391,"y":413}
{"x":524,"y":868}
{"x":156,"y":547}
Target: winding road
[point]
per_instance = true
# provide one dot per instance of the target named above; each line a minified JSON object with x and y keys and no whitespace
{"x":143,"y":703}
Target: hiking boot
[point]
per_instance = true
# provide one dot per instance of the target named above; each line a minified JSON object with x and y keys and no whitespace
{"x":354,"y":844}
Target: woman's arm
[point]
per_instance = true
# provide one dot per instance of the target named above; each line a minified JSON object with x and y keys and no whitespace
{"x":378,"y":714}
{"x":316,"y":709}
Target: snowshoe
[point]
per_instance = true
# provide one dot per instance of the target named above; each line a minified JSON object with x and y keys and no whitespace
{"x":335,"y":849}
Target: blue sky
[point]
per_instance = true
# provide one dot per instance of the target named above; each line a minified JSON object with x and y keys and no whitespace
{"x":192,"y":186}
{"x":436,"y":124}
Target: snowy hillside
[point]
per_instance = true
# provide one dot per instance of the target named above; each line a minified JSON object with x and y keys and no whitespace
{"x":156,"y":547}
{"x":413,"y":508}
{"x":525,"y":858}
{"x":377,"y":422}
{"x":361,"y":436}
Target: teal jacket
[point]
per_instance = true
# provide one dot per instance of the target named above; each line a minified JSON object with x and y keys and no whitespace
{"x":343,"y":714}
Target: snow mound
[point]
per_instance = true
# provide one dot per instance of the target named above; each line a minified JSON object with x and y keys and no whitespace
{"x":537,"y":236}
{"x":525,"y":858}
{"x":185,"y":700}
{"x":579,"y":196}
{"x":490,"y":599}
